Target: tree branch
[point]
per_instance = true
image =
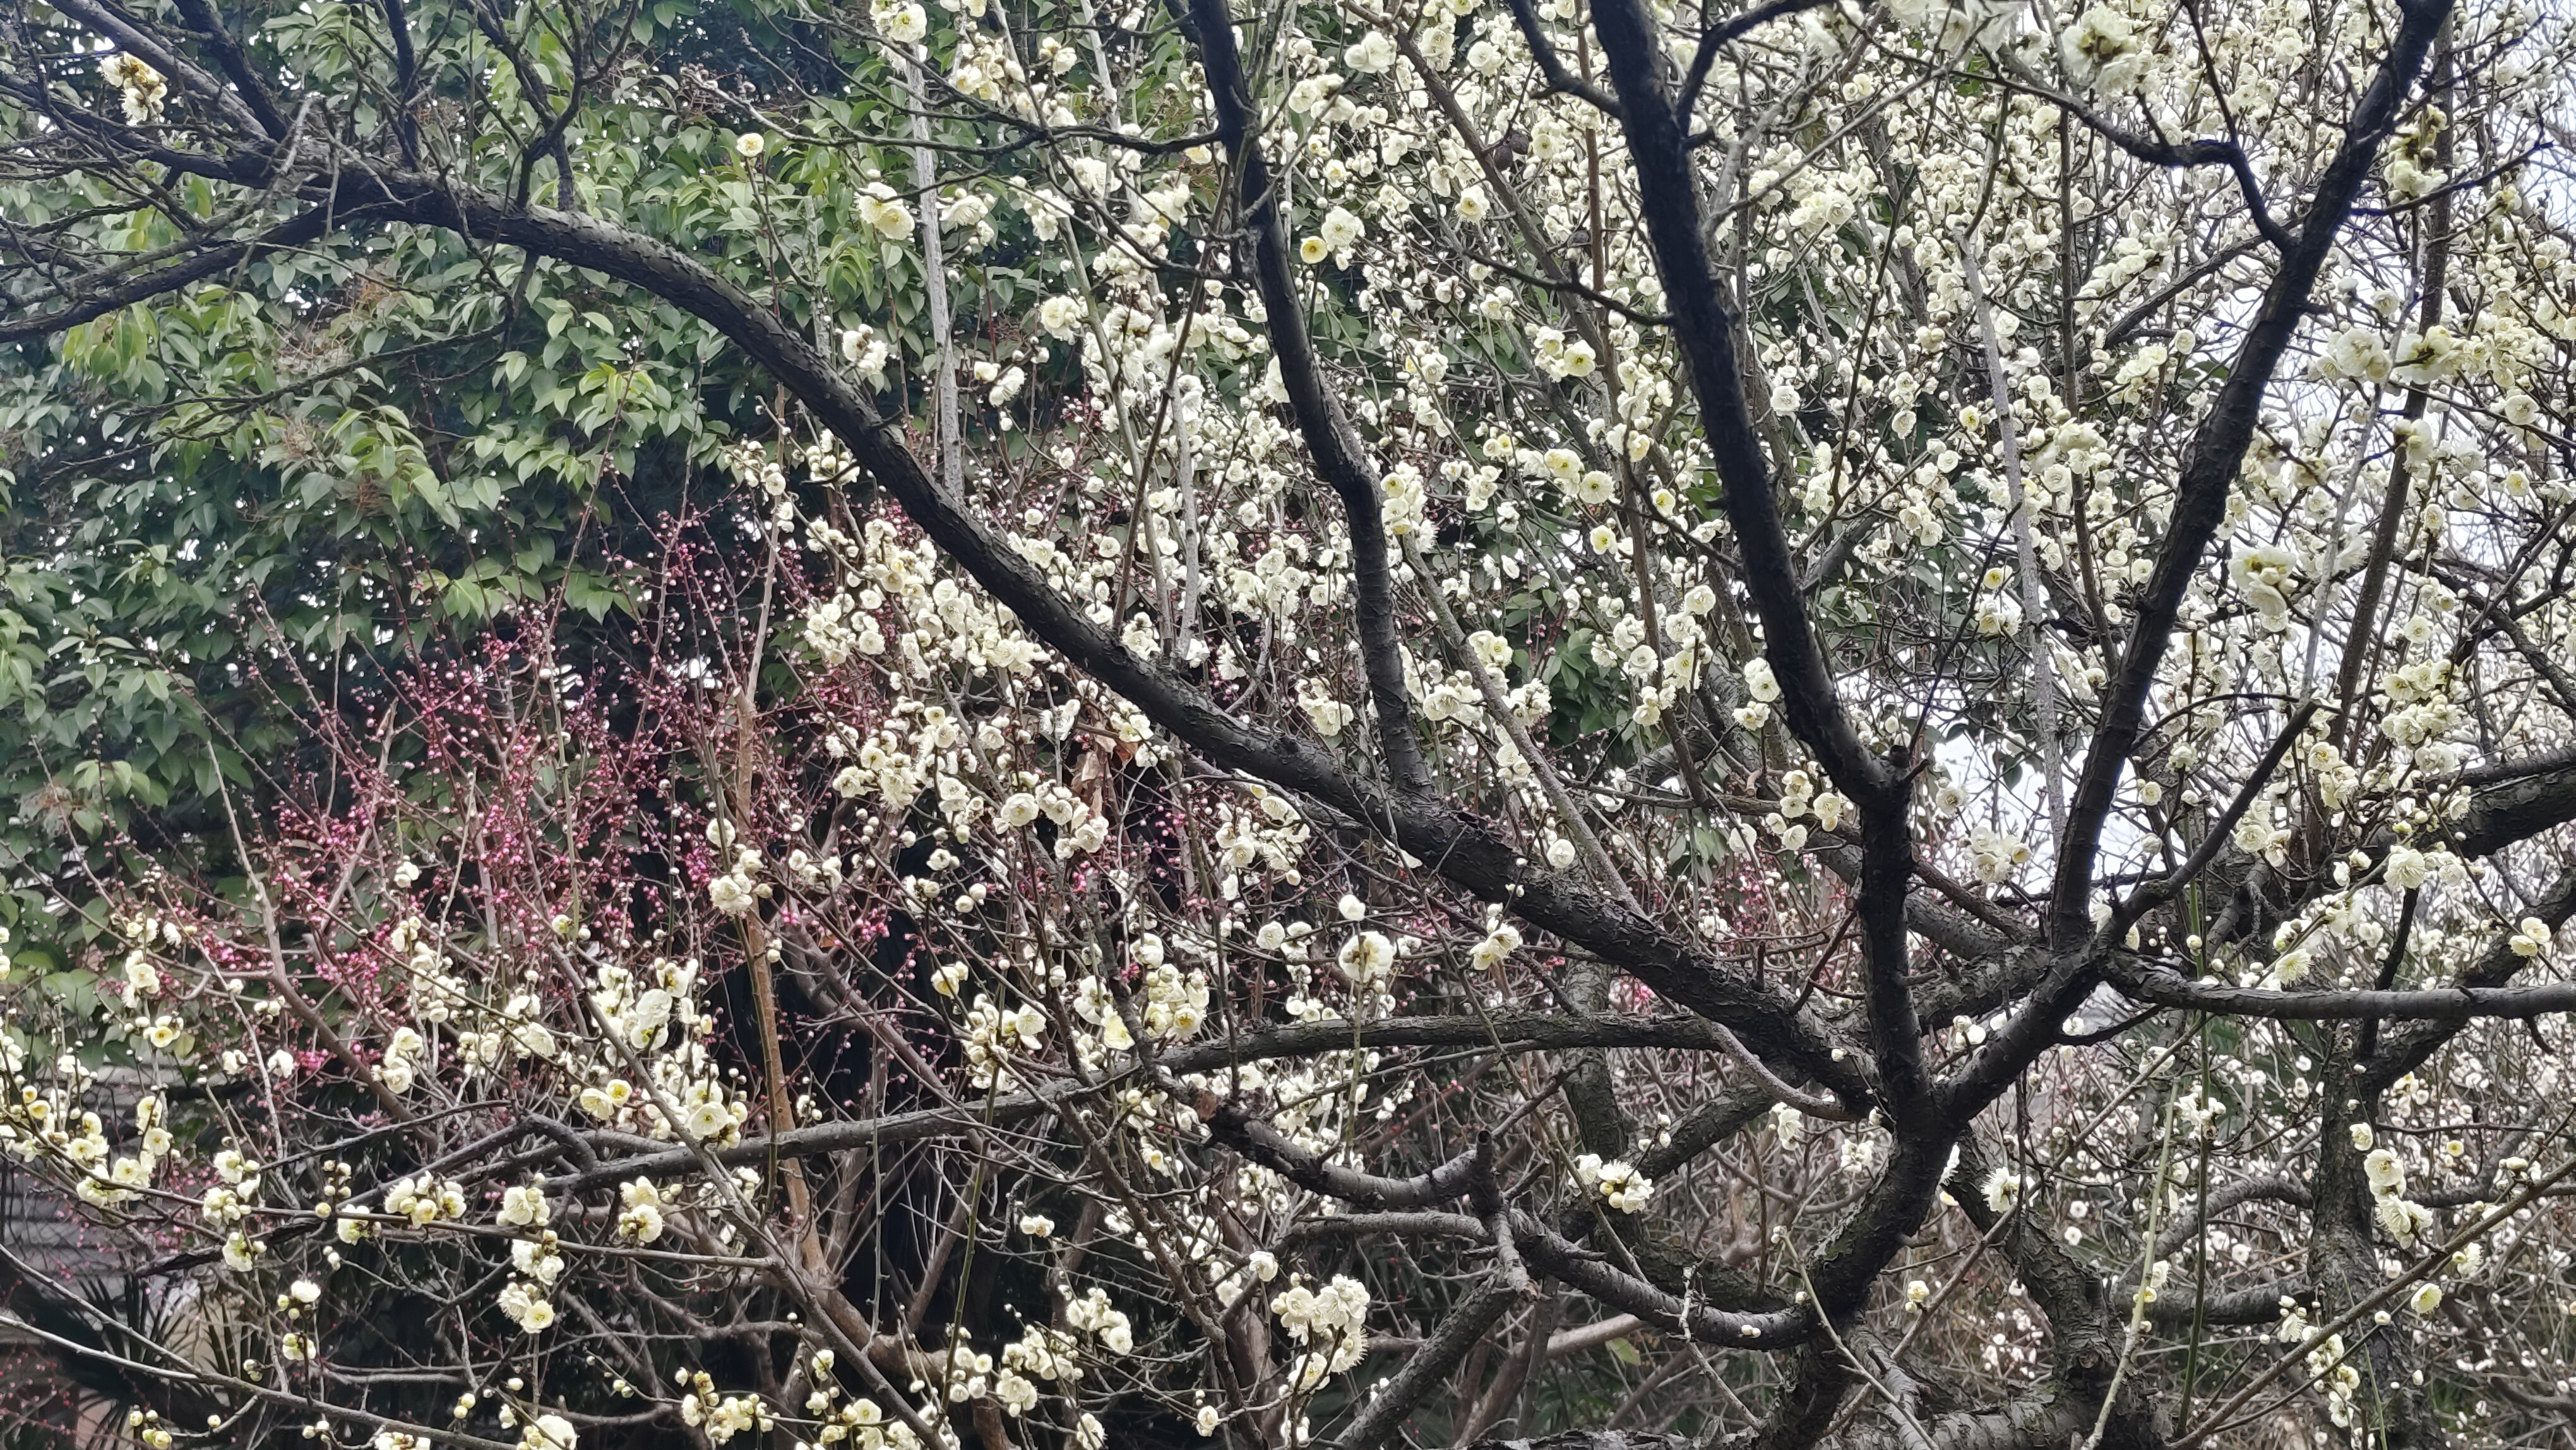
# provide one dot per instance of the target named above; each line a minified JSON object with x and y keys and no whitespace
{"x":1715,"y":39}
{"x":2216,"y":452}
{"x":303,"y":230}
{"x":1551,"y":66}
{"x":1339,"y":454}
{"x":2170,"y":988}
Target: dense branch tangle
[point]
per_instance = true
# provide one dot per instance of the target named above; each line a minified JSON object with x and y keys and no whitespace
{"x":1405,"y":794}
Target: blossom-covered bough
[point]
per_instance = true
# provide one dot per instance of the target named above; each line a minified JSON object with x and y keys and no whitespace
{"x":1378,"y":724}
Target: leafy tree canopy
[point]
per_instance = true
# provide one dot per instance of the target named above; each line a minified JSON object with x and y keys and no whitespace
{"x":1043,"y":724}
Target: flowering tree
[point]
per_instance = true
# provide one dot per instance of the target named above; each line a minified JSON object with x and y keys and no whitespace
{"x":1820,"y":724}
